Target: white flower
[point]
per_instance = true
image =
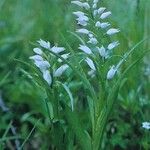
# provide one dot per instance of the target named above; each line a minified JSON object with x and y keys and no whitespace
{"x":98,"y":24}
{"x":102,"y":51}
{"x":57,"y":50}
{"x":146,"y":125}
{"x":36,"y":58}
{"x":113,"y":45}
{"x":65,"y":56}
{"x":86,"y":6}
{"x":83,"y":31}
{"x":93,"y":41}
{"x":47,"y":77}
{"x":82,"y":20}
{"x":104,"y":25}
{"x":101,"y":10}
{"x":95,"y":1}
{"x":80,"y":4}
{"x":44,"y":44}
{"x":95,"y":12}
{"x":78,"y":13}
{"x":105,"y":15}
{"x":85,"y":49}
{"x":60,"y":70}
{"x":38,"y":51}
{"x":90,"y":63}
{"x":42,"y":65}
{"x":112,"y":31}
{"x":94,"y":5}
{"x":111,"y":72}
{"x":90,"y":35}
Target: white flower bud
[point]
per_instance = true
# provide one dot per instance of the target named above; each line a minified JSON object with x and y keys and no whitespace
{"x":112,"y":31}
{"x":36,"y":58}
{"x":44,"y":44}
{"x":90,"y":35}
{"x":38,"y":51}
{"x":65,"y":56}
{"x":57,"y":50}
{"x":86,"y":6}
{"x":102,"y":51}
{"x":105,"y":15}
{"x":93,"y":41}
{"x":104,"y":25}
{"x":78,"y":3}
{"x":95,"y":12}
{"x":83,"y":31}
{"x":146,"y":125}
{"x":101,"y":10}
{"x":85,"y":49}
{"x":95,"y":1}
{"x":60,"y":70}
{"x":47,"y":77}
{"x":90,"y":63}
{"x":111,"y":72}
{"x":98,"y":24}
{"x":94,"y":5}
{"x":113,"y":45}
{"x":78,"y":13}
{"x":42,"y":65}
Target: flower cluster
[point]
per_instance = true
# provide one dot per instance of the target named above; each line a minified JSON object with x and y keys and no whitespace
{"x":41,"y":61}
{"x":99,"y":21}
{"x":146,"y":125}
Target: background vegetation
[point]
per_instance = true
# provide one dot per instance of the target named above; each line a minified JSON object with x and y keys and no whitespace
{"x":22,"y":22}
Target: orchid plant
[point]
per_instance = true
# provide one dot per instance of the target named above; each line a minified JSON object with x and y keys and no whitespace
{"x":93,"y":64}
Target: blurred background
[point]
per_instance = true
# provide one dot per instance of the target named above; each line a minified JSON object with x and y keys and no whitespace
{"x":22,"y":23}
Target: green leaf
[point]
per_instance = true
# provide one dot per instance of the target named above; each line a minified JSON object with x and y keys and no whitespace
{"x":72,"y":119}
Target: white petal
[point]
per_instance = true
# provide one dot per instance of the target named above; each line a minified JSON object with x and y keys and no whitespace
{"x":94,"y":5}
{"x":93,"y":41}
{"x":102,"y":51}
{"x":38,"y":51}
{"x":90,"y":63}
{"x":83,"y":31}
{"x":47,"y":77}
{"x":111,"y":72}
{"x":86,"y":5}
{"x":97,"y":24}
{"x":95,"y":12}
{"x":78,"y":13}
{"x":113,"y":45}
{"x":101,"y":10}
{"x":44,"y":44}
{"x":57,"y":50}
{"x":112,"y":31}
{"x":91,"y":35}
{"x":95,"y":1}
{"x":105,"y":15}
{"x":85,"y":49}
{"x":146,"y":125}
{"x":77,"y":3}
{"x":104,"y":25}
{"x":60,"y":70}
{"x":65,"y":56}
{"x":42,"y":65}
{"x":36,"y":58}
{"x":82,"y":18}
